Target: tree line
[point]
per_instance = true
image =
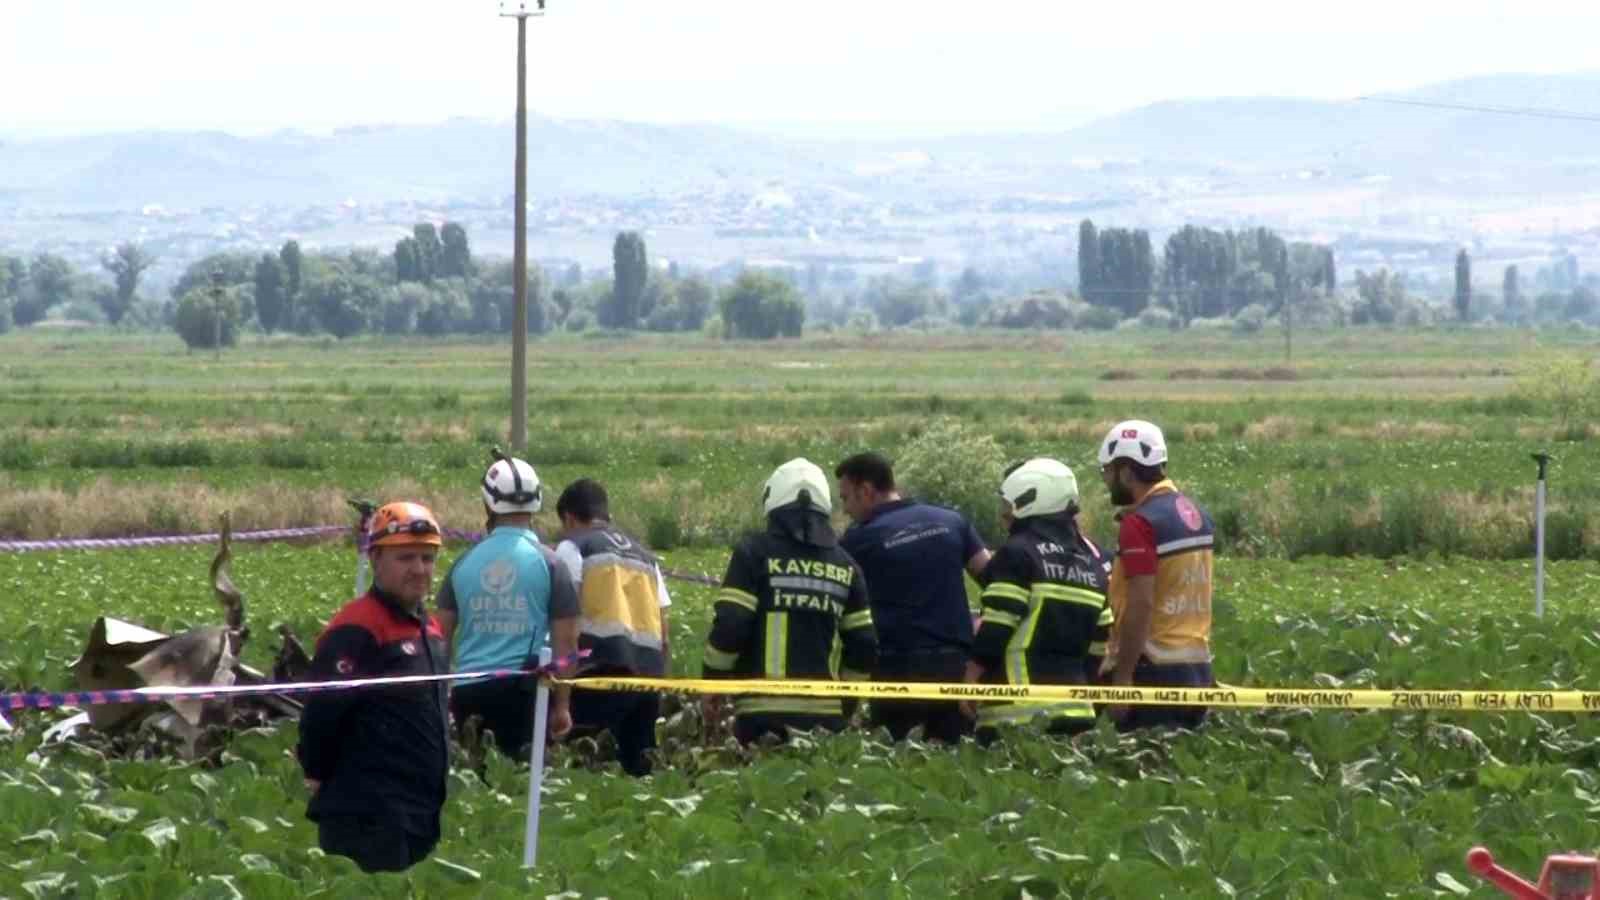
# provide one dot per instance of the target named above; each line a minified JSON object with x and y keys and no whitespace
{"x":431,"y":283}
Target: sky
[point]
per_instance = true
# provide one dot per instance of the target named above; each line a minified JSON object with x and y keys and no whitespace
{"x":824,"y":67}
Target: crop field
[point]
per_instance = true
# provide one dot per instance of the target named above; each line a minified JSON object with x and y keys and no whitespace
{"x":1374,"y":497}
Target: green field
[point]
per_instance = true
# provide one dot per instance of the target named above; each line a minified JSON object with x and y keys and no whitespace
{"x":1374,"y":496}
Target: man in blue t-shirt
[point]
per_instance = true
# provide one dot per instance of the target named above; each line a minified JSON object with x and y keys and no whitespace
{"x":500,"y":603}
{"x":915,"y":556}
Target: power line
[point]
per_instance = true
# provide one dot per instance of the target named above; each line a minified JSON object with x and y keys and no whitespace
{"x":1525,"y":111}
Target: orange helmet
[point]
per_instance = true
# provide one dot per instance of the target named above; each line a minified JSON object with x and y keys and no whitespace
{"x":403,"y":523}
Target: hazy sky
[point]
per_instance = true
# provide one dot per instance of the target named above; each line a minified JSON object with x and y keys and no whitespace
{"x":879,"y":65}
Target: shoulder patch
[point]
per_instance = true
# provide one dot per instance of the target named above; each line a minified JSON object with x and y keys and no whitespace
{"x":1188,"y":512}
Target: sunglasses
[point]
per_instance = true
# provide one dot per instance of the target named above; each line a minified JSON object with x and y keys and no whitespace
{"x":415,"y":526}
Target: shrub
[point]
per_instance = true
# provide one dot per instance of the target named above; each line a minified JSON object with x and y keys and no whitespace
{"x":1098,"y":318}
{"x":1250,"y":320}
{"x":1157,"y":317}
{"x":955,"y":465}
{"x":196,"y":319}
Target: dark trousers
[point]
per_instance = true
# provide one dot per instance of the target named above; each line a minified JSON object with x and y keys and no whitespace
{"x":941,"y":720}
{"x":630,"y":716}
{"x":752,"y":727}
{"x":507,"y":710}
{"x":380,"y":843}
{"x":1184,"y":675}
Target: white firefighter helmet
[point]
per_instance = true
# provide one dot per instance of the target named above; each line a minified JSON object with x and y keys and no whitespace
{"x":511,"y":486}
{"x":1039,"y":487}
{"x":1134,"y":439}
{"x":793,"y":478}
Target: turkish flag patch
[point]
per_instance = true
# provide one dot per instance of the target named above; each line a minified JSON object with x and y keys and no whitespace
{"x":345,"y":666}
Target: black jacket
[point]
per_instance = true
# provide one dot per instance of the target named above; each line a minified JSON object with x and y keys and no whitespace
{"x":380,"y":751}
{"x":788,"y":595}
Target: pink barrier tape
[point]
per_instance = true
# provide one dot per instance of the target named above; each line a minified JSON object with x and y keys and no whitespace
{"x":270,"y":534}
{"x":46,"y":700}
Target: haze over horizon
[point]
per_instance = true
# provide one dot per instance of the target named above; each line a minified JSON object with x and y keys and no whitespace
{"x":894,"y":69}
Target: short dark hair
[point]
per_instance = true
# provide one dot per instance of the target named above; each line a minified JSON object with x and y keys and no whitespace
{"x":584,"y":500}
{"x":868,"y":468}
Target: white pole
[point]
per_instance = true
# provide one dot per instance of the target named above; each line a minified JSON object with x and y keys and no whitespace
{"x":363,"y":564}
{"x":1543,"y":459}
{"x":541,"y":706}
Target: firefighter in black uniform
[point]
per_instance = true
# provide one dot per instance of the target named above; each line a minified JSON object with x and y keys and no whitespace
{"x":790,"y":592}
{"x":376,"y":759}
{"x":1045,"y":614}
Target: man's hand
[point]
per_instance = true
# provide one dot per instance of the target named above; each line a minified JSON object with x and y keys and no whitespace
{"x":560,"y":720}
{"x":312,"y":786}
{"x":972,"y":675}
{"x":1120,"y":712}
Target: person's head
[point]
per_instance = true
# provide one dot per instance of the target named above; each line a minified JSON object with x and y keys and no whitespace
{"x":798,"y":482}
{"x":403,"y":541}
{"x":865,"y":480}
{"x":511,"y":491}
{"x":1133,"y":458}
{"x":582,"y":504}
{"x":1037,"y":487}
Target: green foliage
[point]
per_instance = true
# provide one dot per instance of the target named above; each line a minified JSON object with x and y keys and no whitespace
{"x":1288,"y":803}
{"x":293,"y":277}
{"x":455,"y":254}
{"x":762,"y":306}
{"x":198,"y":312}
{"x":1098,"y":318}
{"x":1566,"y":383}
{"x":50,"y":281}
{"x":1250,"y":319}
{"x":1511,"y":298}
{"x":272,"y":301}
{"x":429,"y":249}
{"x":956,"y":465}
{"x":407,"y":267}
{"x":630,"y":271}
{"x":1119,"y":270}
{"x":126,"y":264}
{"x":236,"y":269}
{"x":345,"y":304}
{"x":1039,"y":310}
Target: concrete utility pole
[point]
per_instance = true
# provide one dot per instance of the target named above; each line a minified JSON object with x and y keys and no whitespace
{"x":519,"y":253}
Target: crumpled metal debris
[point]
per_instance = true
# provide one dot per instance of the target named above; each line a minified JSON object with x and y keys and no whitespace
{"x":123,"y":655}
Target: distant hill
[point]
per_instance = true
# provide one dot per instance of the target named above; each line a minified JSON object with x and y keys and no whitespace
{"x":471,"y":159}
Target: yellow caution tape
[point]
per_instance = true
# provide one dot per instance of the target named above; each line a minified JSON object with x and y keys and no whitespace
{"x":1239,"y":697}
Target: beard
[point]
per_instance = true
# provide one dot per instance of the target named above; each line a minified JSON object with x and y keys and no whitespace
{"x":1121,"y":494}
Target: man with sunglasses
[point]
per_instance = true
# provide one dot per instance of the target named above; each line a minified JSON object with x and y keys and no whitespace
{"x":375,"y":759}
{"x":499,"y":604}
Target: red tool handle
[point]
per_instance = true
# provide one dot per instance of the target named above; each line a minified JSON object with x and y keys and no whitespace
{"x":1482,"y":864}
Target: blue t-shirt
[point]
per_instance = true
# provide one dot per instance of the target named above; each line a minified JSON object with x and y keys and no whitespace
{"x":914,"y":556}
{"x":504,"y":595}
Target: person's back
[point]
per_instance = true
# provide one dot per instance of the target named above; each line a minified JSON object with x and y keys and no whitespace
{"x":916,"y":557}
{"x":620,"y":595}
{"x":623,"y":624}
{"x":1044,"y":599}
{"x":500,"y":591}
{"x":500,"y":603}
{"x":790,"y":592}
